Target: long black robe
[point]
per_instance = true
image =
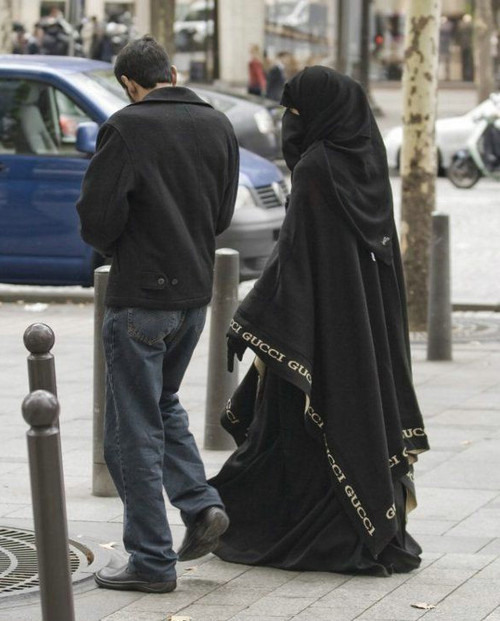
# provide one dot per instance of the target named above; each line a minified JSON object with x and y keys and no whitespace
{"x":322,"y":477}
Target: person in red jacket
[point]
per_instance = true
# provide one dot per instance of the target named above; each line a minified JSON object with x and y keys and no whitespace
{"x":256,"y":74}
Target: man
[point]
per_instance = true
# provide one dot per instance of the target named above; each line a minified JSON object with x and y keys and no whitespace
{"x":160,"y":187}
{"x":276,"y":77}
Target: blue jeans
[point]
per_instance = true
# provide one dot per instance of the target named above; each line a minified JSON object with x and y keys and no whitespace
{"x":147,"y":443}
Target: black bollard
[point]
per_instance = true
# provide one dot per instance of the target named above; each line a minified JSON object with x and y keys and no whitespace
{"x":102,"y":483}
{"x":439,"y":339}
{"x":220,"y":383}
{"x":41,"y":411}
{"x":39,"y":339}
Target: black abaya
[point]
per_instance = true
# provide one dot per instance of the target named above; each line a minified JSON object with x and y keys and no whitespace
{"x":322,"y":477}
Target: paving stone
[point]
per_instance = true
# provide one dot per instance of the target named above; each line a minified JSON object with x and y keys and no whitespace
{"x":433,"y":458}
{"x":470,"y":418}
{"x":439,"y":575}
{"x":457,"y":474}
{"x":372,"y":584}
{"x":493,"y":547}
{"x":209,"y":613}
{"x":186,"y":594}
{"x":484,"y":521}
{"x":494,"y":616}
{"x":264,"y":577}
{"x":279,"y":606}
{"x":447,"y":544}
{"x":228,"y":595}
{"x":398,"y":604}
{"x":245,"y":617}
{"x":466,"y":605}
{"x":311,"y":584}
{"x":454,"y":438}
{"x":124,"y":615}
{"x":428,"y":527}
{"x":214,"y":569}
{"x":438,"y":503}
{"x":318,"y":613}
{"x":490,"y":572}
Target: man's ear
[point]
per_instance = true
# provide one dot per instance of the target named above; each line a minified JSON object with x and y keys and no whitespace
{"x":130,"y":85}
{"x":173,"y":73}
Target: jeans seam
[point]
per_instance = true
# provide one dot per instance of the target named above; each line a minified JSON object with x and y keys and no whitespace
{"x":170,"y":337}
{"x":117,"y":424}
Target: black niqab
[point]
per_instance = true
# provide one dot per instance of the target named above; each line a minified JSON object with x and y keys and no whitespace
{"x":335,"y":110}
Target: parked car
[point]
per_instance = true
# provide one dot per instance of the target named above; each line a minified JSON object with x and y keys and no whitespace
{"x":44,"y":103}
{"x":193,"y":25}
{"x":256,"y":120}
{"x":451,"y":134}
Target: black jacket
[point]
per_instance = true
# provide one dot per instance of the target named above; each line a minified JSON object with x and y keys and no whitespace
{"x":160,"y":187}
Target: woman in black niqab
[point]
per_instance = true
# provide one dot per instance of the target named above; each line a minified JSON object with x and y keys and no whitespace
{"x":326,"y":419}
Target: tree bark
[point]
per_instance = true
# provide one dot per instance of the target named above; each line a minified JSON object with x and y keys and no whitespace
{"x":162,"y":24}
{"x":418,"y":155}
{"x":5,"y":26}
{"x":483,"y":61}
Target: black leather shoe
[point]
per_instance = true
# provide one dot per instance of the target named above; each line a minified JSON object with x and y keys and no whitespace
{"x":122,"y":579}
{"x":203,"y":536}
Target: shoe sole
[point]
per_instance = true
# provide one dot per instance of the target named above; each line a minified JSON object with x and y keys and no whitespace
{"x":153,"y":587}
{"x":209,"y":534}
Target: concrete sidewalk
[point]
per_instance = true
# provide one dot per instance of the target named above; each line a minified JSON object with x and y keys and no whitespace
{"x":458,"y":484}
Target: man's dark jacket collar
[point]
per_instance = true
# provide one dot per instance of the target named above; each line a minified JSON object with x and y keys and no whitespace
{"x":173,"y":94}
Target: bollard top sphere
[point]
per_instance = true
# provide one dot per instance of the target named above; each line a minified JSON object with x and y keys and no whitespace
{"x":226,"y":251}
{"x":39,"y":338}
{"x":103,"y":269}
{"x":40,"y":409}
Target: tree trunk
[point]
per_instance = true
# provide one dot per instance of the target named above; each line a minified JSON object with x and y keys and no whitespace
{"x":162,"y":24}
{"x":483,"y":61}
{"x":5,"y":26}
{"x":418,"y":156}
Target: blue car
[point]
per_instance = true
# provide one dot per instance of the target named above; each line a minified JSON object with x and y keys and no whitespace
{"x":50,"y":107}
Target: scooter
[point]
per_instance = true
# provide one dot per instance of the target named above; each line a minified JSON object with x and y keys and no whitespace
{"x":479,"y":158}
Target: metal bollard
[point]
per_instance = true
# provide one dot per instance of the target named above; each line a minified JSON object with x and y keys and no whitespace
{"x":439,"y":341}
{"x":220,"y":383}
{"x":39,"y":339}
{"x":41,"y":410}
{"x":102,"y":483}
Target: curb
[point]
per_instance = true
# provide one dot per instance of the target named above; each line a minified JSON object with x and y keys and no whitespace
{"x":22,"y":294}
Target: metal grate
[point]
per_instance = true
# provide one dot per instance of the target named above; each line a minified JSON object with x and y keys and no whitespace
{"x":18,"y":560}
{"x":272,"y":195}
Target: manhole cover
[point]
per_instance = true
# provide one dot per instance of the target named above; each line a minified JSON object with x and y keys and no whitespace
{"x":18,"y":560}
{"x":469,"y":328}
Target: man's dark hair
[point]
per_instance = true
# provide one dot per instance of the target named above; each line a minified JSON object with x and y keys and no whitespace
{"x":144,"y":61}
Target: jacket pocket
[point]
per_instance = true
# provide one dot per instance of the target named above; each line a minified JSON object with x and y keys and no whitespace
{"x":152,"y":326}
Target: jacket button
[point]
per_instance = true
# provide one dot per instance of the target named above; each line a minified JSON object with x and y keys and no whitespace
{"x":174,"y":281}
{"x":161,"y":281}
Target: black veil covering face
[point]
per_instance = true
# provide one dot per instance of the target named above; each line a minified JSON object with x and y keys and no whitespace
{"x":333,"y":108}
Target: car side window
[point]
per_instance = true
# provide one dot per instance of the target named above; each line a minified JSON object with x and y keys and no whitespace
{"x":37,"y":119}
{"x":69,"y":116}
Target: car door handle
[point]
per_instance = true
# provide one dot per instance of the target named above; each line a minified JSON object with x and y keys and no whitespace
{"x":3,"y":167}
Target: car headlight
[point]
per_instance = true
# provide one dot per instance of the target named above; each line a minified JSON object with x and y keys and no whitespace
{"x":264,"y":122}
{"x":244,"y":198}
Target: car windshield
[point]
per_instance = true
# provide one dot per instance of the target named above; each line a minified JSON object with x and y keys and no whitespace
{"x":101,"y":85}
